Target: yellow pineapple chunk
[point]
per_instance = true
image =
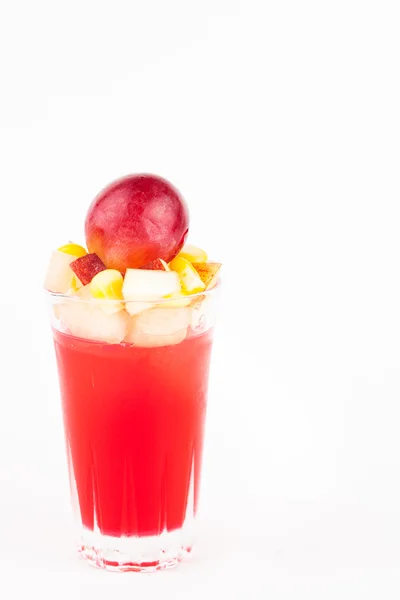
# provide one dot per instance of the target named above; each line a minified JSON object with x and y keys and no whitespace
{"x":107,"y":285}
{"x":76,"y":284}
{"x":73,"y":249}
{"x":191,"y":282}
{"x":193,"y":254}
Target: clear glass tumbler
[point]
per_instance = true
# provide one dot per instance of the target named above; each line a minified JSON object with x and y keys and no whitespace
{"x":134,"y":394}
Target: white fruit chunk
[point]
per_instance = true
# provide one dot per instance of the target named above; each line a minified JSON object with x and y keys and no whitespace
{"x":142,"y":288}
{"x":89,"y":321}
{"x":60,"y":277}
{"x":159,"y":327}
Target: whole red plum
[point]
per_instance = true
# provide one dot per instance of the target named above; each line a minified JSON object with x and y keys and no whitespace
{"x":136,"y":220}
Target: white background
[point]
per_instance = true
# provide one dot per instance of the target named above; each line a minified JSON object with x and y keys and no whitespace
{"x":279,"y":122}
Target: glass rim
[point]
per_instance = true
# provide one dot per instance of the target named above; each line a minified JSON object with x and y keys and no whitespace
{"x":56,"y":296}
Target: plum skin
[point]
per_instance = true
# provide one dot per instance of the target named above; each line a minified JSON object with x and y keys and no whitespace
{"x":135,"y":220}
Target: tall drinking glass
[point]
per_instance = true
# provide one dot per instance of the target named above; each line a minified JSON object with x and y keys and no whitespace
{"x":134,"y":396}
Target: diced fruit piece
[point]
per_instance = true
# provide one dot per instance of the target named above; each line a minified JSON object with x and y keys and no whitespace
{"x":159,"y":327}
{"x":157,"y":265}
{"x":193,"y":254}
{"x":136,"y":220}
{"x":208,"y":272}
{"x":59,"y":277}
{"x":89,"y":321}
{"x":150,"y":285}
{"x":107,"y":284}
{"x":76,"y":284}
{"x":86,"y":267}
{"x":190,"y":280}
{"x":73,"y":249}
{"x":141,"y":289}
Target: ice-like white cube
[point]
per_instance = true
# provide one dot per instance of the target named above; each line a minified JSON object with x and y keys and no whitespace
{"x":89,"y":321}
{"x":159,"y":327}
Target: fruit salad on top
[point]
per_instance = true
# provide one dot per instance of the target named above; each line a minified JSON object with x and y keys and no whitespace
{"x":137,"y":267}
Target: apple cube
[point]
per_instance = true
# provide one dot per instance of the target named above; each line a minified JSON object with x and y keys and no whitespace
{"x":60,"y":277}
{"x":86,"y":267}
{"x":142,"y":289}
{"x":157,"y":265}
{"x":159,"y":327}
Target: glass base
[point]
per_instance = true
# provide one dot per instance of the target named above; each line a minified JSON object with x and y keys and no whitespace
{"x":140,"y":554}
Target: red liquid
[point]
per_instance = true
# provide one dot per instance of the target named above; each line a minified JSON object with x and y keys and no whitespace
{"x":134,"y":422}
